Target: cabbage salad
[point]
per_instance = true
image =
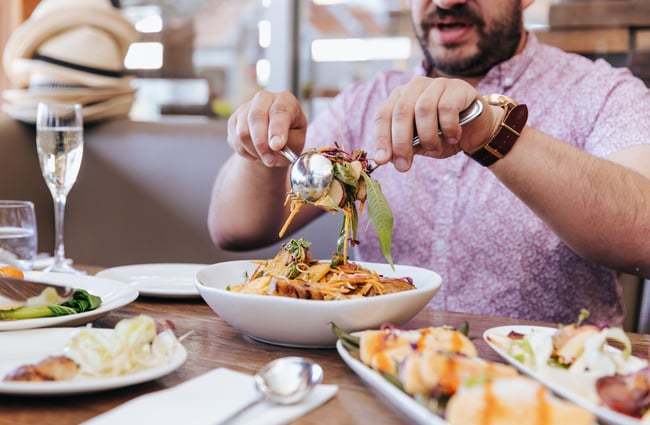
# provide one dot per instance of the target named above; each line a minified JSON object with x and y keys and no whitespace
{"x":134,"y":345}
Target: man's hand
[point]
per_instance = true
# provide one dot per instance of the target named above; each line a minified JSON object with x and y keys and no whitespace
{"x":428,"y":105}
{"x":264,"y":125}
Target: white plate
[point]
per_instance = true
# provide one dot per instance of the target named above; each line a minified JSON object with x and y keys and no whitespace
{"x":416,"y":412}
{"x":33,"y":345}
{"x":306,"y":323}
{"x":158,"y":280}
{"x":604,"y":414}
{"x":114,"y":295}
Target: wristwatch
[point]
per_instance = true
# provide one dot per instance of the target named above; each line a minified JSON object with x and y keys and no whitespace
{"x":506,"y":134}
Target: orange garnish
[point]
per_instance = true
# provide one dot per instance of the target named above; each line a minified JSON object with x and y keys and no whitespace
{"x":10,"y":271}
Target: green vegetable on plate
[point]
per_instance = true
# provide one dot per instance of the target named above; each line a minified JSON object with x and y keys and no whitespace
{"x":50,"y":305}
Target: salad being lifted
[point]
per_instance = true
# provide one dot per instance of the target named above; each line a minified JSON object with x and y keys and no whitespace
{"x":351,"y":183}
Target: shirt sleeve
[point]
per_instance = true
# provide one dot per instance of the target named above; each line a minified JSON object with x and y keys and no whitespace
{"x":623,"y":118}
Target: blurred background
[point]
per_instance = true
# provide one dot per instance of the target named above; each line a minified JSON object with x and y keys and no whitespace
{"x":145,"y":182}
{"x":205,"y":57}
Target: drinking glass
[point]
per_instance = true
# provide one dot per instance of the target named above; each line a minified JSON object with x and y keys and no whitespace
{"x":59,"y":142}
{"x":17,"y":234}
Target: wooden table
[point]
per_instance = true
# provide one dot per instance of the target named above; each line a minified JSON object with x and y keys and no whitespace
{"x":214,"y":343}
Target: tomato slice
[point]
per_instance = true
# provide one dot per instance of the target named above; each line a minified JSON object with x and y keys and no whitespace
{"x":10,"y":271}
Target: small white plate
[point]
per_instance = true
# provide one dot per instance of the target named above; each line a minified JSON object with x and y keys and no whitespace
{"x":33,"y":345}
{"x":604,"y":414}
{"x":114,"y":295}
{"x":297,"y":322}
{"x":164,"y":280}
{"x":406,"y":404}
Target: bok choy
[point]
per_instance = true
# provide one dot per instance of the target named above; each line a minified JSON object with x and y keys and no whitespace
{"x":49,"y":304}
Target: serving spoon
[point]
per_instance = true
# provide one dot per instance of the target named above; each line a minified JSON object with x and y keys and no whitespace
{"x":285,"y":381}
{"x":311,"y":173}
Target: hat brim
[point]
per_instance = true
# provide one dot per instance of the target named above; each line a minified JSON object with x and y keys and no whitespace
{"x":22,"y":97}
{"x":23,"y":69}
{"x":27,"y":37}
{"x":118,"y":106}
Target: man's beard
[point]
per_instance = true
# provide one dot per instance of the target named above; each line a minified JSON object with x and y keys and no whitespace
{"x":493,"y":48}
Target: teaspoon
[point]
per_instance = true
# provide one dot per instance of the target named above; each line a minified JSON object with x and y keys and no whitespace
{"x":285,"y":381}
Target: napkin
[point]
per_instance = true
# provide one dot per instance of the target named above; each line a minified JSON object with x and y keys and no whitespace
{"x":210,"y":399}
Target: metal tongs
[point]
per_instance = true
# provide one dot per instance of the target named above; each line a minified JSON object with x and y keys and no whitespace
{"x":311,"y":173}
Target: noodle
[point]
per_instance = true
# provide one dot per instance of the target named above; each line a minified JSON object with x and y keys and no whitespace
{"x":293,"y":273}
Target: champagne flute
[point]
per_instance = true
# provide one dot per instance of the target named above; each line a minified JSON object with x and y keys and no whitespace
{"x":59,"y":142}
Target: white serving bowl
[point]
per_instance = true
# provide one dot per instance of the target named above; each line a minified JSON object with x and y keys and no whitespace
{"x":306,"y":323}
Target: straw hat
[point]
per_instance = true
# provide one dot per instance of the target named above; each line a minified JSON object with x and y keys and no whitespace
{"x":70,"y":51}
{"x":49,"y":28}
{"x":83,"y":55}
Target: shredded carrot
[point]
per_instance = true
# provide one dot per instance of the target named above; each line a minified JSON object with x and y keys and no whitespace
{"x":295,"y":207}
{"x":289,"y":270}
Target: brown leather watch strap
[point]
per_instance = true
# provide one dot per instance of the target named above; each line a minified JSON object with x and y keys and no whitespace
{"x":506,"y":133}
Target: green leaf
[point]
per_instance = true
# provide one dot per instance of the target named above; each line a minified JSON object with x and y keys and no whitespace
{"x":344,"y":172}
{"x":351,"y":341}
{"x":297,"y":248}
{"x":62,"y":310}
{"x":464,"y":329}
{"x":381,"y":216}
{"x":355,"y":220}
{"x":82,"y":301}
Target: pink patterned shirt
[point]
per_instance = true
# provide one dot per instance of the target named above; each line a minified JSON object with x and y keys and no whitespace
{"x":455,"y":217}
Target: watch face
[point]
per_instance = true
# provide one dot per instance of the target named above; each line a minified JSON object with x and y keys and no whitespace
{"x":502,"y":141}
{"x":500,"y":100}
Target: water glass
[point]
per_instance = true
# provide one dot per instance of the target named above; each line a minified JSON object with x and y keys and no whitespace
{"x":18,"y":236}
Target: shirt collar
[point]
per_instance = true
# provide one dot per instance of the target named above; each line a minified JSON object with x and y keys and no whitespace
{"x":503,"y":76}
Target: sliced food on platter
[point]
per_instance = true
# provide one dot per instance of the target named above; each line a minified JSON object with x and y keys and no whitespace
{"x":87,"y":359}
{"x":589,"y":365}
{"x":433,"y":375}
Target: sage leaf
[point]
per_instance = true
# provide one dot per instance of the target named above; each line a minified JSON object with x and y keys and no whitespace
{"x":381,"y":216}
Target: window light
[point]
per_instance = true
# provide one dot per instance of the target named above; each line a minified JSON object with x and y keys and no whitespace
{"x":144,"y":56}
{"x":360,"y":49}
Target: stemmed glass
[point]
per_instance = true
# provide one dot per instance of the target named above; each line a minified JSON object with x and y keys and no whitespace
{"x":59,"y":142}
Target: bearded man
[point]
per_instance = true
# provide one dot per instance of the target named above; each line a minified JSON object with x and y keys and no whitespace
{"x":529,"y":211}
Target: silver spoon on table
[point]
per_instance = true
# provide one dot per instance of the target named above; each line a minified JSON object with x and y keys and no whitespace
{"x":285,"y":381}
{"x":311,"y":173}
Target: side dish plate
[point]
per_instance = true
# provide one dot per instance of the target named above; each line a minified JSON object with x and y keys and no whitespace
{"x":164,"y":280}
{"x":114,"y":295}
{"x":604,"y":414}
{"x":31,"y":346}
